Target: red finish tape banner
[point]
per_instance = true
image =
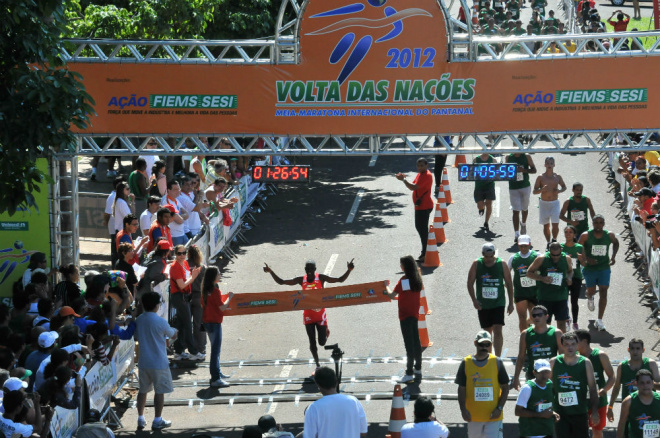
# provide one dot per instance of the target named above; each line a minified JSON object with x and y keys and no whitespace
{"x":271,"y":302}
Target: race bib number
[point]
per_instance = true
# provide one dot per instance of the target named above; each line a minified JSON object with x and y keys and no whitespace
{"x":556,"y":277}
{"x":651,"y":430}
{"x":483,"y":394}
{"x":599,"y":250}
{"x":527,"y":282}
{"x":577,"y":215}
{"x":544,"y":407}
{"x":489,"y":293}
{"x":520,"y":176}
{"x":568,"y":398}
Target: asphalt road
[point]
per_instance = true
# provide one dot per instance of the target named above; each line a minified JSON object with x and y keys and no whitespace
{"x":310,"y":222}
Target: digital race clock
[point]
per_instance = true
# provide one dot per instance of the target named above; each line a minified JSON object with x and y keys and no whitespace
{"x":281,"y":174}
{"x":488,"y":172}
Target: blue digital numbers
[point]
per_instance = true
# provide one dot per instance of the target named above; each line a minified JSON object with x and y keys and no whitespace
{"x":463,"y":172}
{"x":419,"y":58}
{"x":488,"y":172}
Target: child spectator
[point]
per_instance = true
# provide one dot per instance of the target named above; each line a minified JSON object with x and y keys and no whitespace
{"x":54,"y":391}
{"x":68,"y":290}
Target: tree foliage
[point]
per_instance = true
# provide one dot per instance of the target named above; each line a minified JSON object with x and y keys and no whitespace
{"x":40,"y":99}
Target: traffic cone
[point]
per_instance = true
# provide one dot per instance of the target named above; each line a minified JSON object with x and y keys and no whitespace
{"x":439,"y":231}
{"x":432,"y":258}
{"x":398,"y":413}
{"x":443,"y":206}
{"x":460,"y":159}
{"x":424,"y":303}
{"x":445,"y":186}
{"x":423,"y":331}
{"x":437,"y":216}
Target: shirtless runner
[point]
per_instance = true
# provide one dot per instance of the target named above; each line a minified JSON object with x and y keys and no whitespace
{"x":547,"y":185}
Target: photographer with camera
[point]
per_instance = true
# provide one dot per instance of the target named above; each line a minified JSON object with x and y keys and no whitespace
{"x":421,"y":188}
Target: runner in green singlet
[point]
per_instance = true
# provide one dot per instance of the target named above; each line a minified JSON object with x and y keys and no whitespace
{"x":534,"y":404}
{"x":625,"y":373}
{"x":519,"y":191}
{"x":573,"y":249}
{"x":577,"y":209}
{"x":484,"y":191}
{"x":524,"y":289}
{"x":640,"y":412}
{"x":604,"y":374}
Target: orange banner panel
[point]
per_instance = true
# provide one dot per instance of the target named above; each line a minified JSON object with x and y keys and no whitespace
{"x":272,"y":302}
{"x":374,"y":67}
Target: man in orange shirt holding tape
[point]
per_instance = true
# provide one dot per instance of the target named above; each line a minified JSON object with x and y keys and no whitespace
{"x":314,"y":319}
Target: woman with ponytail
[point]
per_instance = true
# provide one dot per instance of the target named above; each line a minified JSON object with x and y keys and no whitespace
{"x":212,"y":317}
{"x":408,"y":289}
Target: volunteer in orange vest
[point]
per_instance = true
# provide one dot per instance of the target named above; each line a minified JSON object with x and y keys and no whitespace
{"x":421,"y":188}
{"x":160,"y":228}
{"x":483,"y":386}
{"x":408,"y":290}
{"x":314,"y":319}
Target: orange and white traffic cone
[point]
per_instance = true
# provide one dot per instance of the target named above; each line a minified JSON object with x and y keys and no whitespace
{"x":424,"y":303}
{"x":398,"y":413}
{"x":445,"y":186}
{"x":423,"y":330}
{"x":460,"y":159}
{"x":443,"y":206}
{"x":439,"y":231}
{"x":432,"y":258}
{"x":437,"y":216}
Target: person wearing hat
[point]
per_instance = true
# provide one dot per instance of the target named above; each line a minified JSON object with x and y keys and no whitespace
{"x":315,"y":320}
{"x":645,"y":197}
{"x":160,"y":228}
{"x":425,"y":424}
{"x":483,"y":387}
{"x":539,"y":341}
{"x":46,"y":344}
{"x":640,"y":411}
{"x":491,"y":275}
{"x":575,"y":390}
{"x":577,"y":209}
{"x":553,"y":272}
{"x":10,"y":426}
{"x":421,"y":197}
{"x":520,"y":189}
{"x":597,"y":261}
{"x":534,"y":404}
{"x":524,"y":288}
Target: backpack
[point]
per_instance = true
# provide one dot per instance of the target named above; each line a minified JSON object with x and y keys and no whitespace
{"x":153,"y":188}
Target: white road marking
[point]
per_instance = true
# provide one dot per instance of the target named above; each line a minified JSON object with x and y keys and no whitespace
{"x":372,"y":162}
{"x":356,"y":204}
{"x":331,"y":264}
{"x":496,"y":203}
{"x":286,"y":370}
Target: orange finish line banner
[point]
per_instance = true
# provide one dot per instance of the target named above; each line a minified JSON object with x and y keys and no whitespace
{"x":272,"y":302}
{"x":374,"y":67}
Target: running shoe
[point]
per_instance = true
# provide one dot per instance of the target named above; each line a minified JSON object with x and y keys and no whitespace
{"x":407,"y":378}
{"x":523,"y":228}
{"x":575,"y":326}
{"x":182,"y":356}
{"x":418,"y":375}
{"x":568,"y":325}
{"x":162,"y":424}
{"x":590,"y":304}
{"x":198,"y":356}
{"x":142,"y":423}
{"x":224,"y":376}
{"x":111,"y":174}
{"x":421,"y":258}
{"x":486,"y":226}
{"x":600,"y":326}
{"x":481,"y":212}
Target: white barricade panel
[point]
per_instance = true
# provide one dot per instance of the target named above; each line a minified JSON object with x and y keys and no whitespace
{"x":100,"y":381}
{"x":64,"y":422}
{"x":124,"y":358}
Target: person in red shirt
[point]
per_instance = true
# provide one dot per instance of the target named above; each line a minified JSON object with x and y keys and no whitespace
{"x":421,"y":188}
{"x":131,"y":225}
{"x":621,"y":23}
{"x":408,"y":289}
{"x":181,"y":277}
{"x":212,"y":317}
{"x":314,"y":319}
{"x":161,"y":228}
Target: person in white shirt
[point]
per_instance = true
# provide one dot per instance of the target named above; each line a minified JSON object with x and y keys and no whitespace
{"x":189,"y":202}
{"x":150,"y":159}
{"x":109,"y":219}
{"x":425,"y":425}
{"x":180,"y":215}
{"x":334,"y":415}
{"x":146,"y":218}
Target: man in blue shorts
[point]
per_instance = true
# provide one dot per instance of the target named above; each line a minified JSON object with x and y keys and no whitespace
{"x":597,"y":261}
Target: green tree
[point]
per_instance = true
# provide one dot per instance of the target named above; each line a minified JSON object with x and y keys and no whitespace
{"x":40,"y":99}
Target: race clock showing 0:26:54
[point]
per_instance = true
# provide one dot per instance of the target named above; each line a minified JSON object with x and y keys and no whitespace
{"x":281,"y":174}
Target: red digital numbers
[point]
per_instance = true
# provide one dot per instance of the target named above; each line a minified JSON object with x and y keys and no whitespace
{"x":280,"y":173}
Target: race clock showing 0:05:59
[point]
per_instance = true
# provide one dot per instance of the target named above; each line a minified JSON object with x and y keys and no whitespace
{"x":281,"y":174}
{"x":488,"y":172}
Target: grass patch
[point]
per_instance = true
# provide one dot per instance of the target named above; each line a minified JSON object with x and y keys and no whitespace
{"x":645,"y":24}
